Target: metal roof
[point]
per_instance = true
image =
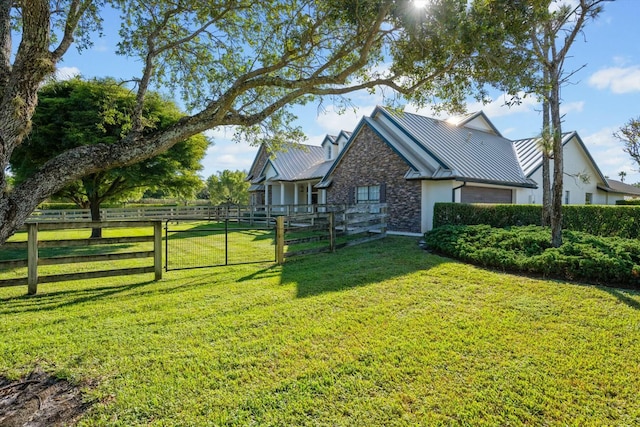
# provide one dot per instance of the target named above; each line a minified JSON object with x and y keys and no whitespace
{"x":529,"y":154}
{"x":300,"y":163}
{"x":463,"y":153}
{"x":620,"y":187}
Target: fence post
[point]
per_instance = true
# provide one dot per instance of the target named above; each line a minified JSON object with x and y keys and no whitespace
{"x":332,"y":232}
{"x":157,"y":249}
{"x":280,"y":240}
{"x":32,"y":258}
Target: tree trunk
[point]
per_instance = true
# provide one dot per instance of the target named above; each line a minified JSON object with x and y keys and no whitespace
{"x":94,"y":207}
{"x":556,"y":124}
{"x":546,"y":178}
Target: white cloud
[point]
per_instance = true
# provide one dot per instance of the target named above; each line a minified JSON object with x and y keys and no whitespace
{"x":603,"y":138}
{"x":499,"y":108}
{"x":66,"y":73}
{"x":555,"y":5}
{"x":221,"y":133}
{"x":617,"y":79}
{"x":608,"y":154}
{"x":570,"y":107}
{"x":333,"y":121}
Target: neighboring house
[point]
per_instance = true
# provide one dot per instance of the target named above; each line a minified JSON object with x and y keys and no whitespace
{"x":412,"y":162}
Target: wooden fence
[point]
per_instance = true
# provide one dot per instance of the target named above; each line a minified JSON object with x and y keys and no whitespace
{"x":33,"y":244}
{"x":223,"y":212}
{"x":304,"y":234}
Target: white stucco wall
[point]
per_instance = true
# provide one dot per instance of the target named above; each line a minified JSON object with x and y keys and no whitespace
{"x":432,"y":193}
{"x":576,"y":163}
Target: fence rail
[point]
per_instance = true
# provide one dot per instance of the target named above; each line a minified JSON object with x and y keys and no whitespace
{"x":231,"y":212}
{"x":33,"y":261}
{"x":330,"y":230}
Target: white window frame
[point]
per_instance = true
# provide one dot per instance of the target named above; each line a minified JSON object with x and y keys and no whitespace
{"x":588,"y":198}
{"x":368,"y":194}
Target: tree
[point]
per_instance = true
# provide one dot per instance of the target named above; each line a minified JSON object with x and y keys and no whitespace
{"x":629,"y":135}
{"x":551,"y":43}
{"x":235,"y":63}
{"x":78,"y":113}
{"x":551,"y":27}
{"x":228,"y":187}
{"x":622,"y":175}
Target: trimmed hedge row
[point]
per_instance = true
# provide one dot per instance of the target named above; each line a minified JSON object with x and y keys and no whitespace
{"x":600,"y":260}
{"x":633,"y":202}
{"x":599,"y":220}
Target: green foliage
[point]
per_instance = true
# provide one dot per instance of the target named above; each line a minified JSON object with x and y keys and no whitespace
{"x":605,"y":260}
{"x":600,"y":220}
{"x":495,"y":215}
{"x":629,"y":135}
{"x":75,"y":113}
{"x":228,"y":187}
{"x":633,"y":202}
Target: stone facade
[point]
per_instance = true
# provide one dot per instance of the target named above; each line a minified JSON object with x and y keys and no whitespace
{"x":370,"y":161}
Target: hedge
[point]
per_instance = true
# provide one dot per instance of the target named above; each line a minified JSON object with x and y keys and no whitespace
{"x":610,"y":261}
{"x":599,"y":220}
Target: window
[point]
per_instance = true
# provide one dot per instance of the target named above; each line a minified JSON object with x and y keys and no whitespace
{"x":329,"y":153}
{"x":588,"y":198}
{"x":566,"y":197}
{"x":368,"y":194}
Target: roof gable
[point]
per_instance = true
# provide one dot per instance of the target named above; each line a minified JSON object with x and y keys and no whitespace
{"x":469,"y":154}
{"x":297,"y":163}
{"x":434,"y":149}
{"x":477,"y":121}
{"x":530,"y":156}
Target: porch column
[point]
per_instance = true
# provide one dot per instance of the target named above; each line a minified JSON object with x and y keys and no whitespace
{"x":282,"y":193}
{"x":266,"y":194}
{"x":295,"y":193}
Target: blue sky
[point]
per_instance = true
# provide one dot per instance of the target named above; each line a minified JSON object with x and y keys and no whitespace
{"x":602,"y":97}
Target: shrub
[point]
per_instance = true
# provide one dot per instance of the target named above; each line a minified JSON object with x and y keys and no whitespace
{"x":600,"y":220}
{"x":630,"y":202}
{"x":583,"y":257}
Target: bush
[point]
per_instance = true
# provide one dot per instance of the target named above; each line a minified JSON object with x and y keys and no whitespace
{"x":583,"y":257}
{"x":600,"y":220}
{"x":631,"y":202}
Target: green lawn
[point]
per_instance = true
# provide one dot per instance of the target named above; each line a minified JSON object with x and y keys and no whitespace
{"x":377,"y":334}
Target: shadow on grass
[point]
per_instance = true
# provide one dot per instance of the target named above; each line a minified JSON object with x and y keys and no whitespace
{"x":49,"y":301}
{"x":53,"y":300}
{"x":357,"y":266}
{"x":624,"y":297}
{"x":217,"y":228}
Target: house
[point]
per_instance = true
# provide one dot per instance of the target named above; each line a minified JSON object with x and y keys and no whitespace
{"x":412,"y":162}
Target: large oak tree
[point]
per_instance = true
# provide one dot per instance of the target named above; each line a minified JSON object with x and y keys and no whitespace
{"x":236,"y":63}
{"x":77,"y":113}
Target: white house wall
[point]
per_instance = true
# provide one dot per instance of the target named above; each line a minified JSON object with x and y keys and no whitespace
{"x":576,"y":163}
{"x":433,"y":192}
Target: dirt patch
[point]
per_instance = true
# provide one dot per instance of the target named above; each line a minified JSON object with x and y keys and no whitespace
{"x":40,"y":400}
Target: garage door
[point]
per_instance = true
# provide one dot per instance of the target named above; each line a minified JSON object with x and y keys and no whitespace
{"x":485,"y":195}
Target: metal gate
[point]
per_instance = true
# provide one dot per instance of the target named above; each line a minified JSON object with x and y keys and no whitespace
{"x":207,"y":243}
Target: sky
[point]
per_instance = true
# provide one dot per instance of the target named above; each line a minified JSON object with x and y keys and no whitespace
{"x":602,"y":96}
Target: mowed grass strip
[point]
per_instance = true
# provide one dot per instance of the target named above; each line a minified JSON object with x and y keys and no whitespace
{"x":378,"y":334}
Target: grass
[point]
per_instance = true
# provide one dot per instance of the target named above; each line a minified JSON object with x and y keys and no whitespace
{"x":378,"y":334}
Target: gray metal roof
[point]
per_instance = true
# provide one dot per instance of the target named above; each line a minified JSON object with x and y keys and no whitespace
{"x":300,"y":163}
{"x":529,"y":154}
{"x":463,"y":153}
{"x":620,"y":187}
